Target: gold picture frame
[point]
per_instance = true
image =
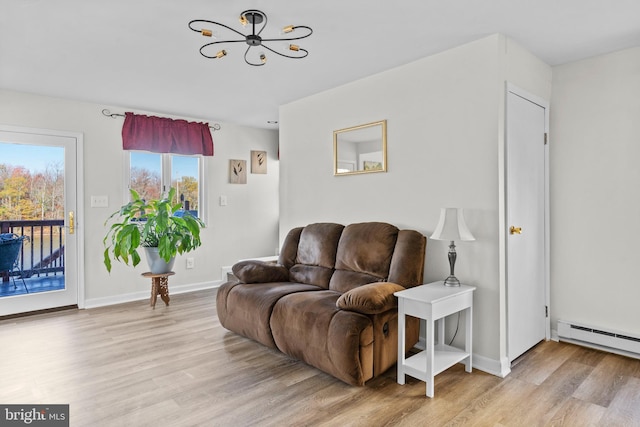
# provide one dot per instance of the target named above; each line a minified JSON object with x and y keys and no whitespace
{"x":360,"y":149}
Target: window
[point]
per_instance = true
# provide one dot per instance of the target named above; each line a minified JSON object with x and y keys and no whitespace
{"x":152,"y":174}
{"x":184,"y":178}
{"x":145,"y":174}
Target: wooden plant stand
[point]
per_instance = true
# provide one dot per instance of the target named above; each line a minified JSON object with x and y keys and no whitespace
{"x":159,"y":286}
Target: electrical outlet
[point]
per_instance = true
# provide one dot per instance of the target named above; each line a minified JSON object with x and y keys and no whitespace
{"x":99,"y":201}
{"x":191,"y":263}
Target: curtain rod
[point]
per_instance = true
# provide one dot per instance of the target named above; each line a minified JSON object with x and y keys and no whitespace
{"x":108,"y":113}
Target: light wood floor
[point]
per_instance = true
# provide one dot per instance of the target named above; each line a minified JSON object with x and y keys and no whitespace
{"x":129,"y":365}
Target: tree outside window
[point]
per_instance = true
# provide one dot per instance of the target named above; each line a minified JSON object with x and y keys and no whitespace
{"x":31,"y":189}
{"x":184,"y":178}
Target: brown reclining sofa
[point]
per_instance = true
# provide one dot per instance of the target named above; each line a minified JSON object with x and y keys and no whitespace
{"x":329,"y":301}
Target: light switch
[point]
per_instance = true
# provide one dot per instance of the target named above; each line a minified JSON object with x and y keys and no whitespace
{"x":99,"y":201}
{"x":223,"y":200}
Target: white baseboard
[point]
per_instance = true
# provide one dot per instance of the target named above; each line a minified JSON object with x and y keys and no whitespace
{"x":499,"y":368}
{"x":490,"y":366}
{"x":142,"y":295}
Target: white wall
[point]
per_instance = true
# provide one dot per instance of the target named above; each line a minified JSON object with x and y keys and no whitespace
{"x":445,"y":136}
{"x":595,"y":174}
{"x":247,"y":227}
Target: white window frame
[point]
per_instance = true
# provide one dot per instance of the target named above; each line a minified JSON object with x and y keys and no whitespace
{"x":165,"y":178}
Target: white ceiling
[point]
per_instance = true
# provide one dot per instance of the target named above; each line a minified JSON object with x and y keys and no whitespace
{"x":141,"y":54}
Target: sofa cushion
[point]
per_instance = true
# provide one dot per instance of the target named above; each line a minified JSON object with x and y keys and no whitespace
{"x":252,"y":271}
{"x":316,"y":254}
{"x":364,"y":255}
{"x":407,"y":264}
{"x":289,"y":250}
{"x":318,"y":244}
{"x":311,"y":274}
{"x":370,"y":299}
{"x":308,"y":326}
{"x":246,"y":308}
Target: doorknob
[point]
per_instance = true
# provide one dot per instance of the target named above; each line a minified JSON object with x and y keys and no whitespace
{"x":515,"y":230}
{"x":72,"y":222}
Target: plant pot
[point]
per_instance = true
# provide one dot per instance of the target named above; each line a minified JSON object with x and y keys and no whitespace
{"x":158,"y":265}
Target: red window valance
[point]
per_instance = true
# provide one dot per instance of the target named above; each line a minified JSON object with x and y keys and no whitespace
{"x":163,"y":135}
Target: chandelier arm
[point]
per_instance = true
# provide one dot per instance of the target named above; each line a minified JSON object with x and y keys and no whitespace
{"x":251,"y":63}
{"x":291,"y":38}
{"x":214,"y":23}
{"x":306,"y":52}
{"x":217,"y":42}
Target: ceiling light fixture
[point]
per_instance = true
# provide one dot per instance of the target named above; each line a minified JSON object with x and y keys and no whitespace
{"x":254,"y":18}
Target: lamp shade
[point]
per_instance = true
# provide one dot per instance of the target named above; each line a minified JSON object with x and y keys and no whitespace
{"x":452,"y":226}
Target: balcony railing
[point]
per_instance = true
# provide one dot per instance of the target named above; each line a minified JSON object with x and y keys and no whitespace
{"x":43,"y":254}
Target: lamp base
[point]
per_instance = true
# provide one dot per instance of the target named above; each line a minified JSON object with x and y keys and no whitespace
{"x":452,"y":281}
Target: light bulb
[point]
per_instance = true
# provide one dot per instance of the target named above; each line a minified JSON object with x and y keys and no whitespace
{"x":221,"y":54}
{"x":294,"y":47}
{"x":263,"y":58}
{"x":287,"y":29}
{"x":206,"y":33}
{"x":243,"y":20}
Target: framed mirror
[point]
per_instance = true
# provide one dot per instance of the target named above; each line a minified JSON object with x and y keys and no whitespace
{"x":360,"y":149}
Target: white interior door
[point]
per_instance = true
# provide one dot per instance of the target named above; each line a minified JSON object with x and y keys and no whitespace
{"x":49,"y":263}
{"x":526,"y":211}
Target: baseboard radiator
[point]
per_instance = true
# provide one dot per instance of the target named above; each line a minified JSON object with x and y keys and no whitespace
{"x":607,"y":340}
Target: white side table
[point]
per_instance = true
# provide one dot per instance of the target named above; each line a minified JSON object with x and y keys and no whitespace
{"x":433,"y":302}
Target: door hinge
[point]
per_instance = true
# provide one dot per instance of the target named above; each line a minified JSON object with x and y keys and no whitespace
{"x":546,"y":311}
{"x":546,"y":138}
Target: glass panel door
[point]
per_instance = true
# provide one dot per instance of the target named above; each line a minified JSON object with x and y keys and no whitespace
{"x":38,"y":222}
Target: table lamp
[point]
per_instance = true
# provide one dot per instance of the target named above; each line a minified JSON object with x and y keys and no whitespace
{"x":452,"y":227}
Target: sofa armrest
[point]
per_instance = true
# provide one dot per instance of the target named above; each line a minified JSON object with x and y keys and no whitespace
{"x":252,"y":271}
{"x":373,"y":298}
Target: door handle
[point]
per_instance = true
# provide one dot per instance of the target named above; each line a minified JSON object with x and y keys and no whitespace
{"x":515,"y":230}
{"x":72,"y":223}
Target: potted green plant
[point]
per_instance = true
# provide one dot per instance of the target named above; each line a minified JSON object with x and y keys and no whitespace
{"x":154,"y":226}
